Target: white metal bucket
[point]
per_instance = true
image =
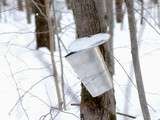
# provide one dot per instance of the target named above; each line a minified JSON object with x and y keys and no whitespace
{"x":89,"y":65}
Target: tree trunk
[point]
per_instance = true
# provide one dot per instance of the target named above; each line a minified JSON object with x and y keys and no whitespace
{"x":42,"y":32}
{"x":135,"y":57}
{"x":28,"y":7}
{"x":68,"y":3}
{"x":88,"y":23}
{"x":20,"y":4}
{"x":4,"y":2}
{"x":142,"y":11}
{"x":158,"y":12}
{"x":110,"y":22}
{"x":119,"y":11}
{"x":51,"y":39}
{"x":101,"y":12}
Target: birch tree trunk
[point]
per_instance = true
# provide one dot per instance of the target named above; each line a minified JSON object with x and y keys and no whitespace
{"x":88,"y":23}
{"x":135,"y":57}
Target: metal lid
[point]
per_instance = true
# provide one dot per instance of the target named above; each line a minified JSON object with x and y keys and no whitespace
{"x":88,"y":42}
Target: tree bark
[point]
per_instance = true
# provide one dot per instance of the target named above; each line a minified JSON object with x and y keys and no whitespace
{"x":135,"y":57}
{"x":110,"y":23}
{"x":42,"y":30}
{"x":142,"y":11}
{"x":158,"y":12}
{"x":101,"y":11}
{"x":28,"y":7}
{"x":4,"y":2}
{"x":51,"y":39}
{"x":20,"y":4}
{"x":88,"y":23}
{"x":119,"y":11}
{"x":68,"y":3}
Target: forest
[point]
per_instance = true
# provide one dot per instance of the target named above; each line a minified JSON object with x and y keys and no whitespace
{"x":79,"y":59}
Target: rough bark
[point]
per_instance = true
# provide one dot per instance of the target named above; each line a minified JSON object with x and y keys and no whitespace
{"x":42,"y":36}
{"x":135,"y":57}
{"x":88,"y":23}
{"x":101,"y":11}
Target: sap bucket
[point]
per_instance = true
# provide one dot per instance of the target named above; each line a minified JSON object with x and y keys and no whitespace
{"x":87,"y":62}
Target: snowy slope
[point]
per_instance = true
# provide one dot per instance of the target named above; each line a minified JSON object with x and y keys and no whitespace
{"x":29,"y":70}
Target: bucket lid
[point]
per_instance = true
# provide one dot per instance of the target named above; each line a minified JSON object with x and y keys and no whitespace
{"x":88,"y":42}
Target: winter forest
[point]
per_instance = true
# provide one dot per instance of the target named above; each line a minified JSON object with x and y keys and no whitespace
{"x":79,"y":59}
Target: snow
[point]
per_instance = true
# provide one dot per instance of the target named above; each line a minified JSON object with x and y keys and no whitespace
{"x":149,"y":64}
{"x":30,"y":69}
{"x":88,"y":42}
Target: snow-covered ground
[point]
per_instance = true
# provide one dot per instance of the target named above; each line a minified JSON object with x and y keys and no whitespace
{"x":27,"y":89}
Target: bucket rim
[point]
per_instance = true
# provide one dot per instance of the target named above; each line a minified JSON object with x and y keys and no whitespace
{"x":88,"y":42}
